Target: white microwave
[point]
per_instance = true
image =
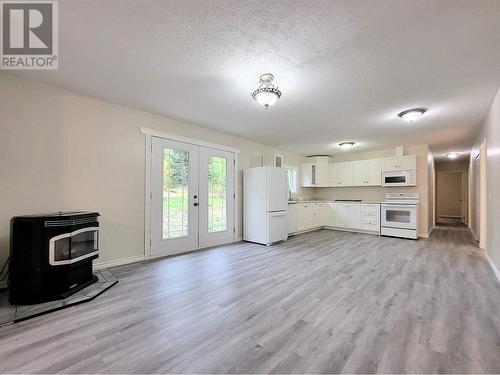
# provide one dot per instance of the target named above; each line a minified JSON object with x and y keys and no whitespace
{"x":399,"y":178}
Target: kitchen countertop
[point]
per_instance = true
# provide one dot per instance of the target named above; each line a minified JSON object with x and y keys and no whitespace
{"x":333,"y":201}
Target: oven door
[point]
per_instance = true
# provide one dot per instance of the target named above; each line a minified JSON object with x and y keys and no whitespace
{"x":399,"y":216}
{"x":69,"y":248}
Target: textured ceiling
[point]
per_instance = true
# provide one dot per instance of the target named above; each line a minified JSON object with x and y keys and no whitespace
{"x":346,"y":68}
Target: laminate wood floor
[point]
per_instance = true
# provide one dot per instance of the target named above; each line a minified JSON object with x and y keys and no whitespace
{"x":322,"y":302}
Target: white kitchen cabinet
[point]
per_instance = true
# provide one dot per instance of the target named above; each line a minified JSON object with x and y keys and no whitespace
{"x":370,"y":217}
{"x":404,"y":163}
{"x":292,"y":218}
{"x":359,"y":173}
{"x":308,"y":174}
{"x":341,"y":215}
{"x":348,"y":215}
{"x":399,"y":162}
{"x":321,"y":169}
{"x":325,"y":214}
{"x":316,"y":216}
{"x":305,"y":216}
{"x":341,"y":174}
{"x":354,"y":215}
{"x":374,"y":172}
{"x":315,"y":171}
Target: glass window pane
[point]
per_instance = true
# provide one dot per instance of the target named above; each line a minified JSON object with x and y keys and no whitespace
{"x":217,"y":194}
{"x":175,"y":193}
{"x":292,"y":180}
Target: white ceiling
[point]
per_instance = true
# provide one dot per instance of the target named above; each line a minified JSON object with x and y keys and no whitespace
{"x":346,"y":68}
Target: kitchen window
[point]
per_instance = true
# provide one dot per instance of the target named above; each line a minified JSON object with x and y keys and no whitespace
{"x":292,"y":179}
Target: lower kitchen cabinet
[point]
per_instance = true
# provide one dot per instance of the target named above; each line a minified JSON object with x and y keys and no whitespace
{"x":347,"y":215}
{"x":292,"y":218}
{"x":305,"y":216}
{"x":343,"y":215}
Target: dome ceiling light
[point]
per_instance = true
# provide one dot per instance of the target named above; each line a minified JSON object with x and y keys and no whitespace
{"x":266,"y":94}
{"x":452,"y":155}
{"x":346,"y":145}
{"x":413,"y":114}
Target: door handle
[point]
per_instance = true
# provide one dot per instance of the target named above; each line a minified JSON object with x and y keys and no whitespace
{"x":195,"y":204}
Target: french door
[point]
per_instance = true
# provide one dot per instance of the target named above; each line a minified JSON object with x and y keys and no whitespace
{"x":192,"y":197}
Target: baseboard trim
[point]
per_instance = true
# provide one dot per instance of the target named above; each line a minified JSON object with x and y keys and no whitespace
{"x":118,"y":262}
{"x":493,"y":266}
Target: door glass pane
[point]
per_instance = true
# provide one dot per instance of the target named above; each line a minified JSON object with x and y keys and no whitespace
{"x":175,"y":193}
{"x":397,"y":216}
{"x":217,"y":194}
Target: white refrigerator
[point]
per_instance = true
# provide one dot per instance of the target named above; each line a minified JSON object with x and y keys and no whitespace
{"x":265,"y":201}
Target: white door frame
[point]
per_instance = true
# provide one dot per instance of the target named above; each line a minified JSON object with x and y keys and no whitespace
{"x":149,"y":133}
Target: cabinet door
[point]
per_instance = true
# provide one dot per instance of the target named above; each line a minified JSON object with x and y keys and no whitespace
{"x":346,"y":171}
{"x":309,"y":218}
{"x":308,"y":172}
{"x":301,"y":217}
{"x":332,"y":178}
{"x":359,"y":173}
{"x":331,"y":215}
{"x":355,"y":216}
{"x":389,"y":165}
{"x":292,"y":218}
{"x":408,"y":163}
{"x":341,"y":215}
{"x":337,"y":174}
{"x":374,"y":172}
{"x":324,"y":214}
{"x":322,"y":171}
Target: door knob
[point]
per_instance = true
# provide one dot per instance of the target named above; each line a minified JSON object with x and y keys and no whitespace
{"x":195,"y":204}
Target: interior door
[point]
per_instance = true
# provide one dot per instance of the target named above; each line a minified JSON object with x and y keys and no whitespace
{"x":174,"y":193}
{"x":216,"y":198}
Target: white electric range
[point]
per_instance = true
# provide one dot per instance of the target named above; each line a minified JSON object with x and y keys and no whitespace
{"x":399,"y":215}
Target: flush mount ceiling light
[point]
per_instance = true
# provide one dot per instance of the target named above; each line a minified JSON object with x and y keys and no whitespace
{"x":266,"y":94}
{"x":452,"y":155}
{"x":346,"y":145}
{"x":413,"y":114}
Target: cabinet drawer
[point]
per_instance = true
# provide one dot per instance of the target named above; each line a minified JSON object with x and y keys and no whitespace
{"x":370,"y":220}
{"x":370,"y":213}
{"x":371,"y":227}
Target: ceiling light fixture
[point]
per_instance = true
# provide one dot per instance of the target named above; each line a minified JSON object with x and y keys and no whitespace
{"x":452,"y":155}
{"x":413,"y":114}
{"x":346,"y":145}
{"x":266,"y":94}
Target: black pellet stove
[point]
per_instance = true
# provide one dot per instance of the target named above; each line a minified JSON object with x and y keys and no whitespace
{"x":51,"y":255}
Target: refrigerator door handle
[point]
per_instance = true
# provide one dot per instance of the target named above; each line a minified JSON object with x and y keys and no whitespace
{"x":276,"y":214}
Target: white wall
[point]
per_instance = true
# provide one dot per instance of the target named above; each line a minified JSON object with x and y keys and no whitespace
{"x":63,"y":151}
{"x":490,"y":132}
{"x":377,"y":193}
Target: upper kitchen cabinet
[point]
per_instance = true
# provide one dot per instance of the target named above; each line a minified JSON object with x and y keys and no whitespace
{"x":341,"y":174}
{"x":400,"y":162}
{"x":367,"y":172}
{"x":315,"y":171}
{"x":308,"y":174}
